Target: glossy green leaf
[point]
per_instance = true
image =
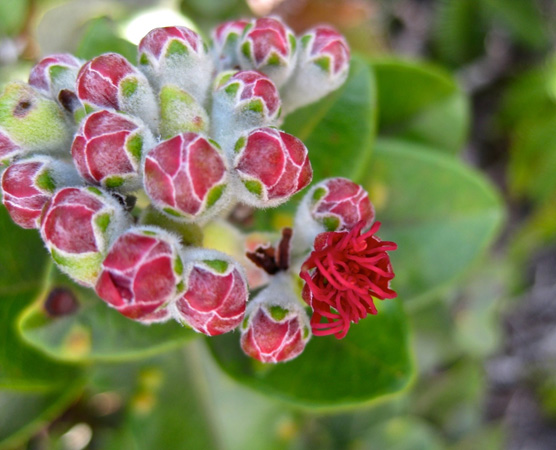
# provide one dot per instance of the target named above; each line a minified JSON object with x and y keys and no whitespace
{"x":95,"y":331}
{"x":441,"y":213}
{"x":372,"y":361}
{"x":22,"y":257}
{"x":339,"y":129}
{"x":421,"y":103}
{"x":26,"y":412}
{"x":101,"y":37}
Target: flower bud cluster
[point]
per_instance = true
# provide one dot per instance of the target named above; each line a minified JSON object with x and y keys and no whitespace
{"x":191,"y":131}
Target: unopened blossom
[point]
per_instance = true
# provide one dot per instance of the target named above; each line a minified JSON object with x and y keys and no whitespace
{"x":214,"y":302}
{"x":55,"y":73}
{"x":271,"y":167}
{"x":142,"y":273}
{"x":225,"y":40}
{"x":343,"y":275}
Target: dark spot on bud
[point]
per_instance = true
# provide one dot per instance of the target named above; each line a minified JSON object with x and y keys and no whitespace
{"x":69,"y":100}
{"x":23,"y":108}
{"x":127,"y":201}
{"x":61,"y":302}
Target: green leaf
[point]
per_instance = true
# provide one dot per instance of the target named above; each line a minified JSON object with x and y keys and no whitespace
{"x":339,"y":129}
{"x":96,"y":332}
{"x":372,"y":361}
{"x":441,"y":214}
{"x":22,"y":257}
{"x":25,"y":413}
{"x":100,"y":37}
{"x":421,"y":103}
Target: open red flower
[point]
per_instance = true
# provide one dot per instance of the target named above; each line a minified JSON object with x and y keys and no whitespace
{"x":343,"y":274}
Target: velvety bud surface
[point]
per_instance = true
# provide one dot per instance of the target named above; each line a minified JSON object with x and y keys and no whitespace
{"x":271,"y":166}
{"x":225,"y":40}
{"x":54,"y":73}
{"x":110,"y":81}
{"x":26,"y":187}
{"x":108,"y":147}
{"x":176,"y":55}
{"x":276,"y":328}
{"x":77,"y":227}
{"x":142,"y":273}
{"x":269,"y":46}
{"x":322,"y":67}
{"x":216,"y":295}
{"x":30,"y":122}
{"x":185,"y":176}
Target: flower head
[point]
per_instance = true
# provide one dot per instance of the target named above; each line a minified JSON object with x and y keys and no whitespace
{"x":343,"y":274}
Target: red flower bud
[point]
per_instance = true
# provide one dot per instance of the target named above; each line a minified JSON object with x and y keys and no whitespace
{"x":108,"y":147}
{"x":28,"y":184}
{"x":343,"y":274}
{"x":272,"y":166}
{"x":9,"y":150}
{"x":322,"y":67}
{"x":185,"y":176}
{"x":214,"y":302}
{"x":225,"y":39}
{"x":77,"y":227}
{"x":110,"y":81}
{"x":142,"y":273}
{"x":243,"y":101}
{"x":54,"y":73}
{"x":176,"y":55}
{"x":268,"y":46}
{"x":276,"y":328}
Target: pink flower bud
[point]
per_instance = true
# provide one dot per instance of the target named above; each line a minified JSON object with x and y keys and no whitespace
{"x":334,"y":204}
{"x":28,"y":184}
{"x":186,"y":176}
{"x":225,"y":38}
{"x":110,"y":81}
{"x":275,"y":328}
{"x":108,"y":147}
{"x":322,"y":67}
{"x":54,"y":73}
{"x":142,"y":273}
{"x":159,"y":316}
{"x":178,"y":56}
{"x":269,"y":46}
{"x":243,"y":101}
{"x":30,"y":122}
{"x":9,"y":150}
{"x":214,"y":302}
{"x":77,"y":227}
{"x":272,"y":166}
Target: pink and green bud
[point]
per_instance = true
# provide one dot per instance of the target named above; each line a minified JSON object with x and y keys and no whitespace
{"x":276,"y":327}
{"x":180,"y":113}
{"x":142,"y":273}
{"x":271,"y":166}
{"x":108,"y":148}
{"x":243,"y":101}
{"x":28,"y":184}
{"x":269,"y":46}
{"x":334,"y":204}
{"x":178,"y":56}
{"x":109,"y":81}
{"x":225,"y":41}
{"x":216,"y":295}
{"x":30,"y":122}
{"x":55,"y":73}
{"x":186,"y":177}
{"x":77,"y":227}
{"x":322,"y":67}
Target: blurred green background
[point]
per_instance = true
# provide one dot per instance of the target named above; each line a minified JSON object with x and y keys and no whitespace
{"x":460,"y":120}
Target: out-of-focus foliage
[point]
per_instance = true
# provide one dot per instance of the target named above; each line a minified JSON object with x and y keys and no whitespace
{"x":401,"y":127}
